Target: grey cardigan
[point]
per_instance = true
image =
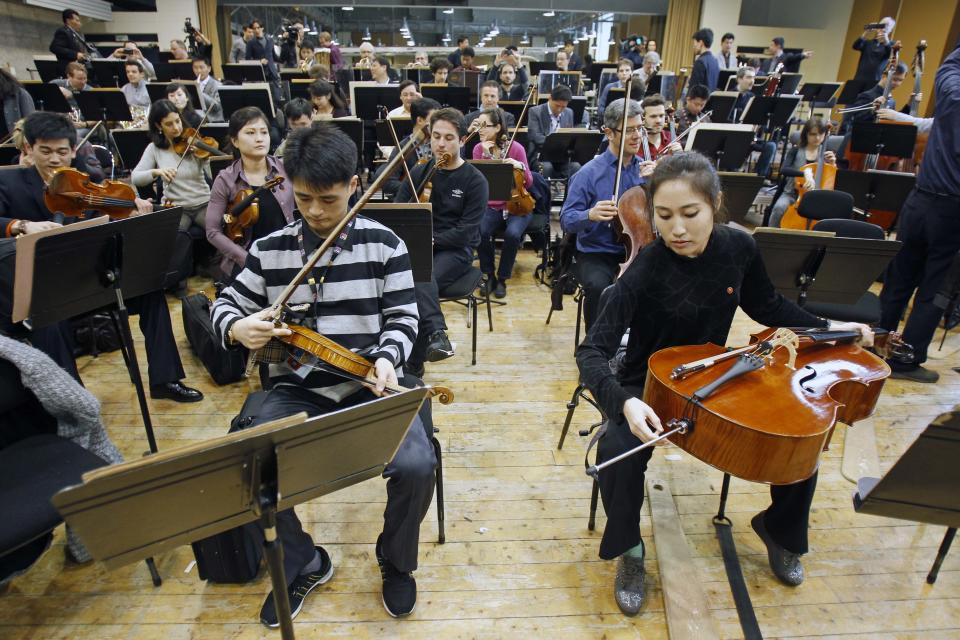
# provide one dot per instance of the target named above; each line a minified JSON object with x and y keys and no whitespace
{"x":16,"y":107}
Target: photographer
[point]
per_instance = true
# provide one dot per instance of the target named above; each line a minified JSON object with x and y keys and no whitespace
{"x":510,"y":56}
{"x":290,"y":47}
{"x":200,"y":45}
{"x":130,"y":52}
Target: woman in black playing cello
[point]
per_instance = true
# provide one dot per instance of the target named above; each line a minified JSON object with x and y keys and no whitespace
{"x":683,"y":288}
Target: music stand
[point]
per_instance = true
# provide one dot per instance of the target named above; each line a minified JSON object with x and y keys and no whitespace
{"x":789,"y":83}
{"x":770,"y":112}
{"x":66,"y":274}
{"x":499,"y":175}
{"x":292,"y":75}
{"x":469,"y":79}
{"x":721,"y":104}
{"x":723,"y":79}
{"x":819,"y":92}
{"x":172,"y":70}
{"x":820,"y":267}
{"x":158,"y":91}
{"x":249,"y":95}
{"x":131,"y":143}
{"x":883,"y":138}
{"x":514,"y":108}
{"x":853,"y":88}
{"x":922,"y":485}
{"x":48,"y":68}
{"x":448,"y":95}
{"x":218,"y":164}
{"x":243,"y":72}
{"x":739,"y":192}
{"x":104,"y":104}
{"x":596,"y":71}
{"x":413,"y":223}
{"x":132,"y":510}
{"x":537,"y":66}
{"x":109,"y":73}
{"x":403,"y":127}
{"x":8,"y":153}
{"x":47,"y":97}
{"x":563,"y":145}
{"x":577,"y":104}
{"x":728,"y":145}
{"x":547,"y":80}
{"x":353,"y":127}
{"x":373,"y":101}
{"x":300,"y":88}
{"x":420,"y":75}
{"x":876,"y":190}
{"x":216,"y":130}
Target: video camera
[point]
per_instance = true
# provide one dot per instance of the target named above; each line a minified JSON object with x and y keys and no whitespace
{"x":188,"y":27}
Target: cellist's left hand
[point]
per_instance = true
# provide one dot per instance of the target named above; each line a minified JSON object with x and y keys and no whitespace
{"x":386,"y":375}
{"x":143,"y":206}
{"x":866,"y":332}
{"x":674,"y":147}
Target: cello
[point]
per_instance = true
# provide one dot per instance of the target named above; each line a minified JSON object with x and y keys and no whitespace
{"x":765,"y":412}
{"x":824,"y":177}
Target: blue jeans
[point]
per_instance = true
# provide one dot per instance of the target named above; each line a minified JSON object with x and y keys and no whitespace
{"x":767,"y":151}
{"x":513,"y":230}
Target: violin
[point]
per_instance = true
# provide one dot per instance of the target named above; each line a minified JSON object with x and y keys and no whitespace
{"x":632,"y":225}
{"x":73,"y":193}
{"x":346,"y":363}
{"x":190,"y":141}
{"x":426,"y":186}
{"x":244,"y":210}
{"x":521,"y":202}
{"x":765,"y":412}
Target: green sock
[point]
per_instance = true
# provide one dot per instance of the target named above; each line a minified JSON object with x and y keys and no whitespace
{"x":635,"y":552}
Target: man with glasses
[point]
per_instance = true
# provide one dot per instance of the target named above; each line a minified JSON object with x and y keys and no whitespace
{"x":591,"y":204}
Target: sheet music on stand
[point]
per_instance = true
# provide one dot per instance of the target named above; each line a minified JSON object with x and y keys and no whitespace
{"x":727,"y":145}
{"x":104,"y":104}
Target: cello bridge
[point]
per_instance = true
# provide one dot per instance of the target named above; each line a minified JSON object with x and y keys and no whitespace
{"x":786,"y":339}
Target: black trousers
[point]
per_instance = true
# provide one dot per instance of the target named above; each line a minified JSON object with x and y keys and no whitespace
{"x":410,"y":480}
{"x":622,"y":492}
{"x":163,"y":359}
{"x":596,"y":272}
{"x":449,"y":265}
{"x":929,"y":228}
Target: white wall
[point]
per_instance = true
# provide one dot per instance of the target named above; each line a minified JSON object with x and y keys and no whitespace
{"x":827,"y":44}
{"x":167,"y":22}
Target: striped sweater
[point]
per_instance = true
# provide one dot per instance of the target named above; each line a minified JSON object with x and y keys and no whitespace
{"x":365,"y":303}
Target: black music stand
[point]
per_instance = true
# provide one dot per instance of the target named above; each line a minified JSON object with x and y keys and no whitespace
{"x":49,"y":70}
{"x":370,"y":101}
{"x":547,"y":80}
{"x":8,"y":153}
{"x":158,"y":91}
{"x":808,"y":266}
{"x":129,"y":511}
{"x":420,"y":75}
{"x":353,"y":127}
{"x":471,"y":80}
{"x":218,"y":164}
{"x":359,"y":75}
{"x":233,"y":98}
{"x":563,"y":145}
{"x":728,"y":145}
{"x":47,"y":97}
{"x":109,"y":73}
{"x":723,"y":79}
{"x":216,"y":130}
{"x":721,"y":104}
{"x":514,"y":108}
{"x":537,"y":66}
{"x":241,"y":72}
{"x":853,"y":88}
{"x":789,"y":83}
{"x":448,"y":96}
{"x":876,"y":190}
{"x":883,"y":138}
{"x":577,"y":104}
{"x":300,"y":88}
{"x":80,"y":270}
{"x":499,"y":175}
{"x":131,"y":143}
{"x":596,"y":70}
{"x":413,"y":223}
{"x":290,"y":75}
{"x":172,"y":70}
{"x":104,"y":104}
{"x":922,"y":485}
{"x":402,"y":126}
{"x":819,"y":92}
{"x":739,"y":192}
{"x":770,"y":112}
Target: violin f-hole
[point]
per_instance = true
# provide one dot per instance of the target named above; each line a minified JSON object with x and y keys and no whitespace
{"x":807,"y":378}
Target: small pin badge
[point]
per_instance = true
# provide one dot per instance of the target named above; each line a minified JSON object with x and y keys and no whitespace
{"x":729,"y":291}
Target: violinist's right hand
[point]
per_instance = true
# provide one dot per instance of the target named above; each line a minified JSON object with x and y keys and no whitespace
{"x":256,"y":330}
{"x":644,"y":422}
{"x":647,"y":167}
{"x":34,"y":227}
{"x":603,"y":211}
{"x":167,"y":173}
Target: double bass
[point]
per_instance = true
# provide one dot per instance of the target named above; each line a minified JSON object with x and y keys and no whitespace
{"x":911,"y":165}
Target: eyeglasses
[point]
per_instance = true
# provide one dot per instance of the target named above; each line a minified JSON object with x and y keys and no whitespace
{"x":631,"y":131}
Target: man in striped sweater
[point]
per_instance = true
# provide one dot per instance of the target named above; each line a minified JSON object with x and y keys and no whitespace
{"x":360,"y":295}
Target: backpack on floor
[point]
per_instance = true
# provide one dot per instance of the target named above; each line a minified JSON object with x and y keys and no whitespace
{"x":224,"y":365}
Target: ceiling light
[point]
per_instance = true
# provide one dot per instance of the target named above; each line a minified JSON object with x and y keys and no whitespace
{"x":366,"y":35}
{"x":549,"y":14}
{"x":445,"y":38}
{"x":525,"y":39}
{"x":448,"y":11}
{"x":411,"y":43}
{"x":346,"y":8}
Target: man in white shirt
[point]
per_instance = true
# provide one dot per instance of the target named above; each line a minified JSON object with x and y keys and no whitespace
{"x":130,"y":51}
{"x":380,"y":70}
{"x":209,"y":88}
{"x":727,"y":58}
{"x":135,"y":91}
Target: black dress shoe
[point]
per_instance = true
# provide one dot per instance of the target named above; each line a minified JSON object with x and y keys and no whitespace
{"x":175,"y":391}
{"x":784,"y":564}
{"x":500,"y":290}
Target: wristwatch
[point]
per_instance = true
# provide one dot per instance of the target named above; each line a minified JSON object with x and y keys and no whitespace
{"x":230,"y":339}
{"x":20,"y":228}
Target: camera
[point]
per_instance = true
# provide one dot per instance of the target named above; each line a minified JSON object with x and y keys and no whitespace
{"x":292,"y":33}
{"x":188,"y":27}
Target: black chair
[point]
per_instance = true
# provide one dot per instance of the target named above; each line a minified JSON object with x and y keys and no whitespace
{"x":867,"y":308}
{"x":463,"y":292}
{"x":35,"y":463}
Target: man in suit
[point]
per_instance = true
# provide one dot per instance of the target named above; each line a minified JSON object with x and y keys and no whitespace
{"x":791,"y":61}
{"x":706,"y":69}
{"x":489,"y":99}
{"x":261,"y":48}
{"x":209,"y":89}
{"x":546,"y":118}
{"x":727,"y":58}
{"x":51,"y":141}
{"x":575,"y":63}
{"x":768,"y":149}
{"x":68,"y":43}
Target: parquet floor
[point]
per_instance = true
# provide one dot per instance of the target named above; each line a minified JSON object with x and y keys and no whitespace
{"x":519,"y":560}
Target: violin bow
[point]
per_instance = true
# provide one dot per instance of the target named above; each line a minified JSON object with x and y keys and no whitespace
{"x":396,"y":141}
{"x":276,"y":309}
{"x":699,"y":120}
{"x":89,"y":133}
{"x":523,"y":112}
{"x":623,"y":138}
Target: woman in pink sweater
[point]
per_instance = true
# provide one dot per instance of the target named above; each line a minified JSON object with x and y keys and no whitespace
{"x":493,"y":146}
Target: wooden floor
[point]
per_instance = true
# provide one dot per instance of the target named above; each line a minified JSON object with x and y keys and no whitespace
{"x":519,"y":560}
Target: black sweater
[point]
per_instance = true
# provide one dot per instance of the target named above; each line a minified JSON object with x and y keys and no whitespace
{"x":667,"y":300}
{"x":459,"y":198}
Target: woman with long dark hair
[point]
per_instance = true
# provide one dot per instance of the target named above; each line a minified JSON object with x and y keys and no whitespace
{"x":326,"y":102}
{"x":17,"y":103}
{"x":249,"y":134}
{"x":177,"y":94}
{"x":184,"y":183}
{"x":811,"y":137}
